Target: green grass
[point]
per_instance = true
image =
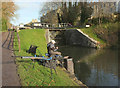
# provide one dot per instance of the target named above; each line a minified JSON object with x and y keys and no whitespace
{"x":3,"y":30}
{"x":39,"y":75}
{"x":105,"y":34}
{"x":90,"y":32}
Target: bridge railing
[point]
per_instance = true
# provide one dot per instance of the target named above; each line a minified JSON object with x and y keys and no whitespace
{"x":51,"y":26}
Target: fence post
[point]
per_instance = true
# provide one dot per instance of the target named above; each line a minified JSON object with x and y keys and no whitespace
{"x":18,"y":41}
{"x":13,"y":40}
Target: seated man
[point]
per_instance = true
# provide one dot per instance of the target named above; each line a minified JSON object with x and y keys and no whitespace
{"x":52,"y":50}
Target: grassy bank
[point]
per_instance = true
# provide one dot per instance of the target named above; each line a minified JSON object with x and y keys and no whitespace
{"x":90,"y":32}
{"x":105,"y":34}
{"x":39,"y":75}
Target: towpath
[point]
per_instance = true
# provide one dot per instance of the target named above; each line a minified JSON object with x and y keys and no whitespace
{"x":9,"y":68}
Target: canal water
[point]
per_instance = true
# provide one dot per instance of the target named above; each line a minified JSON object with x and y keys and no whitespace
{"x":94,"y":67}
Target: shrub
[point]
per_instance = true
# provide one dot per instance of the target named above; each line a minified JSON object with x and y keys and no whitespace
{"x":105,"y":19}
{"x":4,"y":24}
{"x":109,"y":33}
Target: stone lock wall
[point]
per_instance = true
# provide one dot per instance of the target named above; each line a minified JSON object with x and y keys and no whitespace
{"x":77,"y":37}
{"x":71,"y":37}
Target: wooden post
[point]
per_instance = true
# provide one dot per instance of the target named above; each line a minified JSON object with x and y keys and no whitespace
{"x":18,"y":41}
{"x":13,"y":40}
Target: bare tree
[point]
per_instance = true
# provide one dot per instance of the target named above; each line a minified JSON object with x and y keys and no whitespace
{"x":49,"y":6}
{"x":105,"y":9}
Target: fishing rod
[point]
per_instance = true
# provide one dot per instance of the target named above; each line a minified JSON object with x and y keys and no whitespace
{"x":44,"y":58}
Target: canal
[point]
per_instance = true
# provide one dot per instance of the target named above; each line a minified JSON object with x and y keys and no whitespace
{"x":94,"y":67}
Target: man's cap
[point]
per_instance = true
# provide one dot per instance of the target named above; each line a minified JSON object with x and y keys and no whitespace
{"x":53,"y":41}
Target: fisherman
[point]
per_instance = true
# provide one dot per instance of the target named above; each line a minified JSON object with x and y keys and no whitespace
{"x":52,"y":50}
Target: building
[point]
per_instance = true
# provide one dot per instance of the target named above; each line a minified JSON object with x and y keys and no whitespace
{"x":103,"y":8}
{"x":24,"y":26}
{"x":34,"y":20}
{"x":21,"y":26}
{"x":33,"y":24}
{"x":118,"y":5}
{"x":36,"y":25}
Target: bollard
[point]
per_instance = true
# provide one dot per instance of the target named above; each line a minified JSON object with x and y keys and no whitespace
{"x":68,"y":64}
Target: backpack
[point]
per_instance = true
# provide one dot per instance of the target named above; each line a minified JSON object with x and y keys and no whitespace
{"x":32,"y":49}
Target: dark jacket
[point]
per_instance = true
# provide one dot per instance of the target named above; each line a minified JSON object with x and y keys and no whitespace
{"x":51,"y":48}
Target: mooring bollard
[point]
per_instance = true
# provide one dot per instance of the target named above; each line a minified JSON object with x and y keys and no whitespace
{"x":68,"y":64}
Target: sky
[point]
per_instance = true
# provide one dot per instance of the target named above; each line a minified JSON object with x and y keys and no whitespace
{"x":27,"y":11}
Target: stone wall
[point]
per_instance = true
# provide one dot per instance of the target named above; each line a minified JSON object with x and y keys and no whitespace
{"x":58,"y":36}
{"x":71,"y":37}
{"x":77,"y":37}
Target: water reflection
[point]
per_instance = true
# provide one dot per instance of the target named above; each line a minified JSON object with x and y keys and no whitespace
{"x":94,"y":67}
{"x":83,"y":69}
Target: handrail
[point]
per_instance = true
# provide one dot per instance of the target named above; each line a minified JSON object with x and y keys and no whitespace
{"x":6,"y":39}
{"x":11,"y":36}
{"x":13,"y":40}
{"x":18,"y":41}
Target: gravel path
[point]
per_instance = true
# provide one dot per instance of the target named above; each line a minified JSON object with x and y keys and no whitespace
{"x":9,"y":69}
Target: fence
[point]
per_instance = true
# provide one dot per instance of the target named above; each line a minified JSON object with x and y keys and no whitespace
{"x":18,"y":42}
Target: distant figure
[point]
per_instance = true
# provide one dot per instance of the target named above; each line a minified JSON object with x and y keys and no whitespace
{"x":52,"y":50}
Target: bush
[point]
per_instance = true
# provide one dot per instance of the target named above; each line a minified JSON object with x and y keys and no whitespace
{"x":95,"y":21}
{"x":4,"y":24}
{"x":109,"y":33}
{"x":118,"y":17}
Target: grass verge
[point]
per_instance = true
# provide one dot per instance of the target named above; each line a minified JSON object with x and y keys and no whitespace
{"x":105,"y":34}
{"x":90,"y":32}
{"x":39,"y":75}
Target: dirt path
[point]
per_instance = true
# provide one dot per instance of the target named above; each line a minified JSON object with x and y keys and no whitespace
{"x":9,"y":69}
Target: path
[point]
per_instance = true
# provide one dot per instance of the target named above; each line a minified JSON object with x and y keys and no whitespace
{"x":9,"y":69}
